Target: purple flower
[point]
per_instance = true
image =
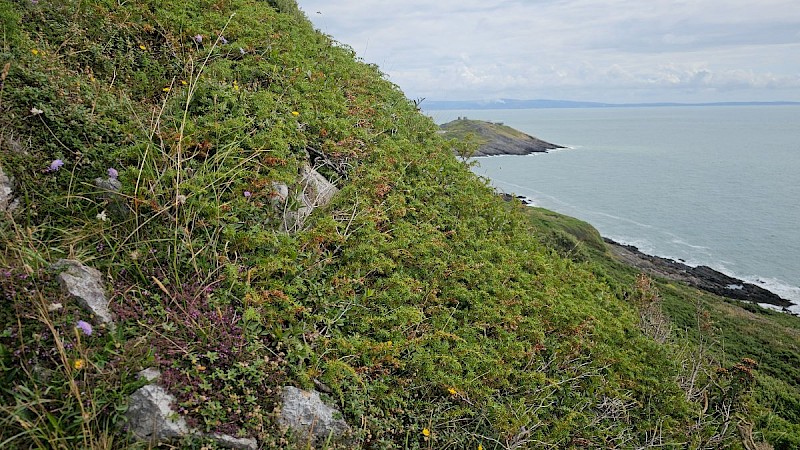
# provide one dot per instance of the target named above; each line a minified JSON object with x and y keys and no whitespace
{"x":112,"y":172}
{"x":55,"y":165}
{"x":223,"y":40}
{"x":85,"y":327}
{"x":247,"y":194}
{"x":198,"y":38}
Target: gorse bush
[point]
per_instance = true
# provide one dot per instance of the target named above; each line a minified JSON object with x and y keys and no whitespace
{"x":154,"y":141}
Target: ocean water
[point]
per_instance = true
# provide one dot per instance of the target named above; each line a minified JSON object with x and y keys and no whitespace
{"x":715,"y":186}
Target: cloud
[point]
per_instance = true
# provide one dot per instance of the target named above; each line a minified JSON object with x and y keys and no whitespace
{"x":473,"y":49}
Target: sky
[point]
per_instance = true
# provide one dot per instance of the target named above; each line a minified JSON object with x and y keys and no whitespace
{"x":584,"y":50}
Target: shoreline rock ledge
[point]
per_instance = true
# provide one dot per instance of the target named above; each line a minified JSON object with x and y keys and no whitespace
{"x":701,"y":277}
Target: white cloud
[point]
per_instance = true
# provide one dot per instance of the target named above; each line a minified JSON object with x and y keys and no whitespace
{"x":601,"y":49}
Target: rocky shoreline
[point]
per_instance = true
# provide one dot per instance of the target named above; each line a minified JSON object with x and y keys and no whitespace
{"x":496,"y":139}
{"x":701,"y":277}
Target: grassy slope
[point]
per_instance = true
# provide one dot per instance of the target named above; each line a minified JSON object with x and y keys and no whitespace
{"x":730,"y":330}
{"x":417,"y":297}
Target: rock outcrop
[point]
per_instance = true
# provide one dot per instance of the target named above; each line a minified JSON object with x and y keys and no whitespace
{"x":86,"y":285}
{"x":309,"y":418}
{"x":701,"y":277}
{"x":315,"y":191}
{"x":152,"y":419}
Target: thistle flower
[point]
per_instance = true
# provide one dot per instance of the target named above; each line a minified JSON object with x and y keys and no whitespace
{"x":112,"y":173}
{"x":86,"y":327}
{"x":55,"y":165}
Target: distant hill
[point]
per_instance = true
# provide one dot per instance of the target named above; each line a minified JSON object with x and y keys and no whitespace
{"x":546,"y":104}
{"x":495,"y":138}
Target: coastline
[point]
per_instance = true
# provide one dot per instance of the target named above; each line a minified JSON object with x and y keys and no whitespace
{"x":701,"y":277}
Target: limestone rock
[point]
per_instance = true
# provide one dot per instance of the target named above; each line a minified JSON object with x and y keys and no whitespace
{"x":306,"y":414}
{"x":232,"y":442}
{"x":150,"y":415}
{"x":315,"y":191}
{"x":7,"y":201}
{"x":151,"y":418}
{"x":86,"y":284}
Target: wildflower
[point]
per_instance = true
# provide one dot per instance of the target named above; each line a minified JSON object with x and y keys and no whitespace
{"x":426,"y":432}
{"x":166,"y":89}
{"x":247,"y":194}
{"x":480,"y":447}
{"x":112,"y":173}
{"x":295,"y":113}
{"x":55,"y":165}
{"x":223,"y":40}
{"x":35,"y":51}
{"x":36,"y":111}
{"x":85,"y":327}
{"x":141,"y":46}
{"x":198,"y":38}
{"x":452,"y":391}
{"x":241,"y":51}
{"x":183,"y":82}
{"x":101,"y":216}
{"x":78,"y":364}
{"x":201,"y":368}
{"x":235,"y":85}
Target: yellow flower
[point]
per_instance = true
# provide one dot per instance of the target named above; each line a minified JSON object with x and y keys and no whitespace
{"x":183,"y":82}
{"x":295,"y":113}
{"x":166,"y":89}
{"x":426,"y":432}
{"x":201,"y":368}
{"x":480,"y":447}
{"x":452,"y":391}
{"x":142,"y":47}
{"x":35,"y":51}
{"x":235,"y":85}
{"x":78,"y":364}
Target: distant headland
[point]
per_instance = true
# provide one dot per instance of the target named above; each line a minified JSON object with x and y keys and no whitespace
{"x":495,"y":138}
{"x":505,"y":103}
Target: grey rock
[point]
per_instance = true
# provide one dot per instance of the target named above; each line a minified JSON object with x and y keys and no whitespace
{"x":280,"y":193}
{"x":151,"y":418}
{"x":109,"y":185}
{"x":7,"y":201}
{"x":149,"y":374}
{"x":233,"y":442}
{"x":304,"y":413}
{"x":86,"y":284}
{"x":315,"y":191}
{"x":150,"y":415}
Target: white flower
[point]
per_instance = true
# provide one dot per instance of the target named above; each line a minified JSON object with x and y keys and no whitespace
{"x":36,"y":111}
{"x":102,"y":216}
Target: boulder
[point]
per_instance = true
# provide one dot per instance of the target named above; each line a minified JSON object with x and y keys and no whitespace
{"x":151,"y":418}
{"x":307,"y":416}
{"x":85,"y":284}
{"x":315,"y":191}
{"x":150,"y":415}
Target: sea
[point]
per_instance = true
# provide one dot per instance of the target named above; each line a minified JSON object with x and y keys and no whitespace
{"x":706,"y":185}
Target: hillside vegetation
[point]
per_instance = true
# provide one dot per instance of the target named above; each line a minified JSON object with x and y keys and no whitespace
{"x":150,"y":140}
